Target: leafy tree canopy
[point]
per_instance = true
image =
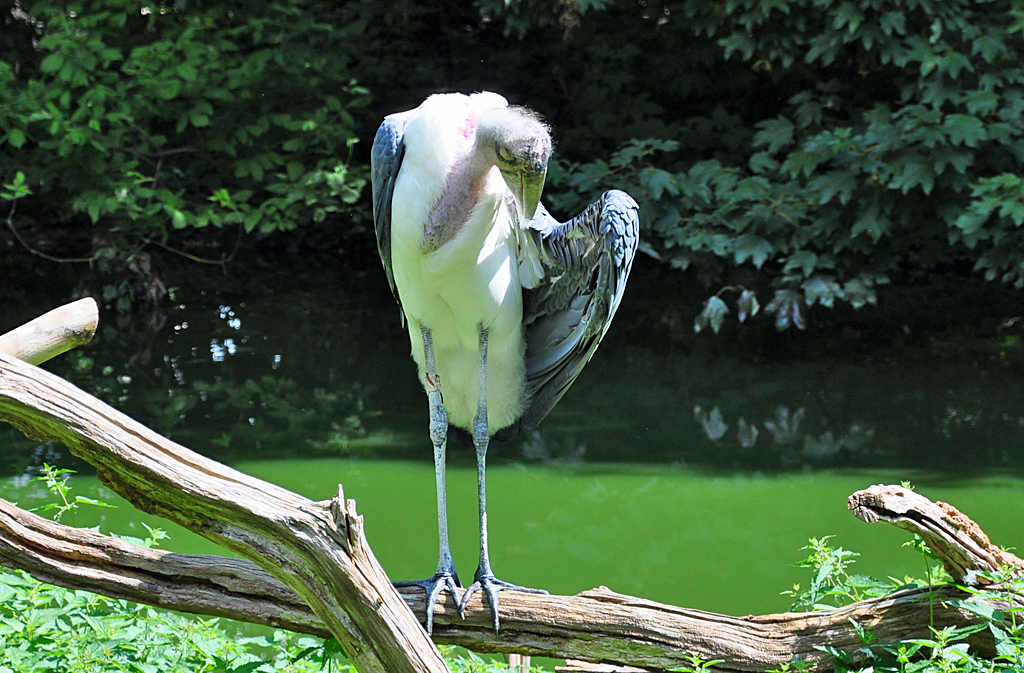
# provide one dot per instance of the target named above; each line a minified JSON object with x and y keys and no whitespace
{"x":806,"y":150}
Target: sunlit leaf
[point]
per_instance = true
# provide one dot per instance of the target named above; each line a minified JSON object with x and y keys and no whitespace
{"x":747,"y":304}
{"x":712,"y":316}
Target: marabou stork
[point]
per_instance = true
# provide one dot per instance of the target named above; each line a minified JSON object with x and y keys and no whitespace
{"x":504,"y":304}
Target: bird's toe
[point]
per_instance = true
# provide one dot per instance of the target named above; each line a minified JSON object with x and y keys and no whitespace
{"x":433,"y":587}
{"x":491,"y":585}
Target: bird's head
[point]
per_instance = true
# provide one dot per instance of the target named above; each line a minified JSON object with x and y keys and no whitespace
{"x":519,"y":144}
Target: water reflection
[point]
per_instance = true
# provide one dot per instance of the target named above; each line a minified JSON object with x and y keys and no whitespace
{"x":784,"y":428}
{"x":300,"y":373}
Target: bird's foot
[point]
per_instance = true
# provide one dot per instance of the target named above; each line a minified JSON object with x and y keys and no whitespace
{"x":491,"y":585}
{"x":434,"y":586}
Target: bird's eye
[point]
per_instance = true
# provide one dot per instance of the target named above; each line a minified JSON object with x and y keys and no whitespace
{"x":503,"y":155}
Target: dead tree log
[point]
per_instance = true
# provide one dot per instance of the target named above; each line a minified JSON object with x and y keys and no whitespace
{"x":314,"y":573}
{"x":317,"y":549}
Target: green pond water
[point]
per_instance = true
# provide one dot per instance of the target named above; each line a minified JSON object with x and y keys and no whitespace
{"x":719,"y":543}
{"x":675,"y":473}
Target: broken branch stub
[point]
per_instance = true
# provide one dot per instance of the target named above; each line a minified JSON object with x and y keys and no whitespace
{"x":960,"y":544}
{"x":53,"y":333}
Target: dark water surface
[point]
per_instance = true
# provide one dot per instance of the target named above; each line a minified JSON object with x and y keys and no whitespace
{"x":675,"y":472}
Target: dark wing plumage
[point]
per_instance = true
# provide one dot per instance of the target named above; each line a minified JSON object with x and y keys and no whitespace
{"x":385,"y":162}
{"x":586,"y":262}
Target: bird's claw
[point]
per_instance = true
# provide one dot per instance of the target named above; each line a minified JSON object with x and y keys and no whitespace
{"x":433,"y":587}
{"x":491,"y":585}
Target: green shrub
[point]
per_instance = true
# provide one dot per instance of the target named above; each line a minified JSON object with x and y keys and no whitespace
{"x":946,"y":651}
{"x":138,"y":120}
{"x":815,"y":148}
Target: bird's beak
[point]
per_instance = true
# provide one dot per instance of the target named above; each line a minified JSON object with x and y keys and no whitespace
{"x":526,"y":187}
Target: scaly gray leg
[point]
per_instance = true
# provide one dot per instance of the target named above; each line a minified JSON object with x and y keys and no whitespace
{"x":484,"y":578}
{"x":446,"y":577}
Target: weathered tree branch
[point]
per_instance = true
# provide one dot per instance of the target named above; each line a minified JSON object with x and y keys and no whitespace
{"x":317,"y":575}
{"x":53,"y":333}
{"x":960,"y":544}
{"x":317,"y":549}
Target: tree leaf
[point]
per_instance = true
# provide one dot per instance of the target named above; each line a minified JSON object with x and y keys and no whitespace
{"x":16,"y":138}
{"x":52,"y":63}
{"x":805,"y":260}
{"x":775,"y":133}
{"x":187,"y":72}
{"x":712,"y":316}
{"x":964,"y":129}
{"x":747,"y":305}
{"x":754,"y":248}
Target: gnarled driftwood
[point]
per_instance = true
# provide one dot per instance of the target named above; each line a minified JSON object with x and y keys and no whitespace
{"x":311,"y":570}
{"x":316,"y":549}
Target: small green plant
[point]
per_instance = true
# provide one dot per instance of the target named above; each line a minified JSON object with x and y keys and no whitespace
{"x":697,"y":664}
{"x":56,"y":481}
{"x":946,"y":651}
{"x":832,"y":585}
{"x":795,"y":666}
{"x":156,"y":535}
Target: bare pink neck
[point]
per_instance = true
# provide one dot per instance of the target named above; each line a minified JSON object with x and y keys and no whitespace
{"x":461,"y":194}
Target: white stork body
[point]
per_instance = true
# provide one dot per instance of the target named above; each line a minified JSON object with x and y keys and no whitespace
{"x":472,"y":279}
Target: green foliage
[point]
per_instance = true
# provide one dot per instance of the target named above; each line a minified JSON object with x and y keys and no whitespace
{"x":946,"y":651}
{"x":697,"y":665}
{"x":811,"y":150}
{"x":45,"y":628}
{"x":465,"y":661}
{"x":828,"y":145}
{"x":56,"y":481}
{"x":832,"y":585}
{"x":143,"y":120}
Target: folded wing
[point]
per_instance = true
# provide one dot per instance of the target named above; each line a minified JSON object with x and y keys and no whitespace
{"x":385,"y":162}
{"x":585,"y":265}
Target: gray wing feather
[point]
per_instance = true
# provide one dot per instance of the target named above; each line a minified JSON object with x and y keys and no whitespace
{"x":385,"y":162}
{"x":586,"y":263}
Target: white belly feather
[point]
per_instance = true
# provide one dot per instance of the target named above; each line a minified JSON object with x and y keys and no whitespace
{"x":468,"y":282}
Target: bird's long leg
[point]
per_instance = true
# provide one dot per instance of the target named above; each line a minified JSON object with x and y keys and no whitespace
{"x":484,"y":578}
{"x":445,"y":577}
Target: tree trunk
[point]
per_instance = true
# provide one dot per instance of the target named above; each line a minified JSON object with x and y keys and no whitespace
{"x":310,"y":569}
